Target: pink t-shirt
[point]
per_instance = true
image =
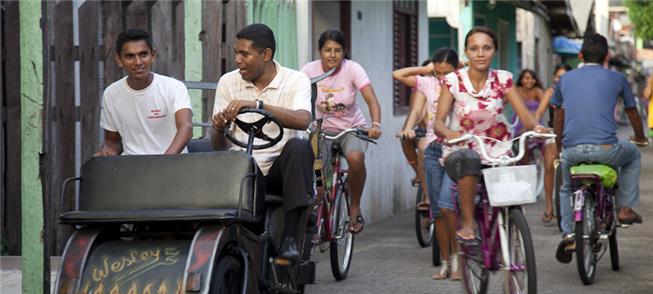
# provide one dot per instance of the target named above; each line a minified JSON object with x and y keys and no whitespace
{"x":336,"y":95}
{"x":430,"y":87}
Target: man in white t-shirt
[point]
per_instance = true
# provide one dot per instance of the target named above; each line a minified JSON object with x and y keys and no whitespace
{"x":144,"y":112}
{"x":260,"y":82}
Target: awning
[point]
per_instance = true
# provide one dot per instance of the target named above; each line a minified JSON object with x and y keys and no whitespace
{"x":564,"y":45}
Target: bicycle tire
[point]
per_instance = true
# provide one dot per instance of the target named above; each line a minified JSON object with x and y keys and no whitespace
{"x":518,"y":228}
{"x":228,"y":276}
{"x":475,"y":277}
{"x":341,"y":261}
{"x":585,"y":254}
{"x":435,"y":251}
{"x":424,"y":233}
{"x":614,"y":250}
{"x":557,"y":185}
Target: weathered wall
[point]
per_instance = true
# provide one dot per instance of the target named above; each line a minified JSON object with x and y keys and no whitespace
{"x":388,"y":188}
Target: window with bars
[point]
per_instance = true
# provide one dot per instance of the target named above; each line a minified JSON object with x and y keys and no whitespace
{"x":404,"y":48}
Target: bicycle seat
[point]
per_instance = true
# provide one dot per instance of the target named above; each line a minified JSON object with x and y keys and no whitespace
{"x":606,"y":174}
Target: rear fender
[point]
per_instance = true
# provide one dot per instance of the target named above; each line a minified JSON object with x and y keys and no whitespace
{"x":74,"y":258}
{"x":207,"y":245}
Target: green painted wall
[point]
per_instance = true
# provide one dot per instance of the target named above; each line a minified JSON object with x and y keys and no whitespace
{"x":441,"y":35}
{"x":485,"y":16}
{"x":281,"y":17}
{"x":193,"y":56}
{"x":31,"y":89}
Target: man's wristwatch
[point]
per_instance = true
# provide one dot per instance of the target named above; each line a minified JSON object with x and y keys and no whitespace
{"x":259,"y":103}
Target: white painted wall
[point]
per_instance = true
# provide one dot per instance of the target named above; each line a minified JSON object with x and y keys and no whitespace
{"x":538,"y":55}
{"x":388,"y":188}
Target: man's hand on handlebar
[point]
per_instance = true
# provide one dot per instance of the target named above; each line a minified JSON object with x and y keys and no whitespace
{"x":374,"y":132}
{"x":640,"y":142}
{"x":219,"y":121}
{"x":232,"y":110}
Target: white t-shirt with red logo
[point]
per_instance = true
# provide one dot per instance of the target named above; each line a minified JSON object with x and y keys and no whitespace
{"x":145,"y":119}
{"x":336,"y":95}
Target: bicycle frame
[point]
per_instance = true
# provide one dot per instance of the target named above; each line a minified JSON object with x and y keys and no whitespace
{"x":327,"y":205}
{"x":493,"y":224}
{"x":605,"y":210}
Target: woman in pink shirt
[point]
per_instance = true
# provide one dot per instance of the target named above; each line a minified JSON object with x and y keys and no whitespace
{"x":336,"y":105}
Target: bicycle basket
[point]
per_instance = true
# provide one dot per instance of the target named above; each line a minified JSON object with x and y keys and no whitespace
{"x":510,"y":185}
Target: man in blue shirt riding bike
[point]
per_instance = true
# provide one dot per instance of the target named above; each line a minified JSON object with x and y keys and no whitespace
{"x":585,"y":99}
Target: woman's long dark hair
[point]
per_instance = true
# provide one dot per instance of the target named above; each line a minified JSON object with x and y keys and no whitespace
{"x":336,"y":36}
{"x":446,"y":55}
{"x":533,"y":74}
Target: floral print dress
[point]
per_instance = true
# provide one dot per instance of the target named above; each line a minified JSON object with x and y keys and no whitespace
{"x":480,"y":113}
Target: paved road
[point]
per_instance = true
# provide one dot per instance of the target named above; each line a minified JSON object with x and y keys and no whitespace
{"x":387,"y":258}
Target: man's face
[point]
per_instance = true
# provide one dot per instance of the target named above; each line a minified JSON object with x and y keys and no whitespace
{"x":249,"y":60}
{"x":136,"y":58}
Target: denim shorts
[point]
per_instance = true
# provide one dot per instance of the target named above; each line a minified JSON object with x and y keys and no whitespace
{"x":434,"y":175}
{"x":447,"y":200}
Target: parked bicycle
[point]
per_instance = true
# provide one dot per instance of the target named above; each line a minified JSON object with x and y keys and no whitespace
{"x":505,"y":242}
{"x":595,"y":215}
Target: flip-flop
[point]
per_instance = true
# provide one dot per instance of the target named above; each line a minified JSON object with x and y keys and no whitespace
{"x":470,"y":241}
{"x":358,"y":220}
{"x":564,"y":255}
{"x":635,"y":219}
{"x":547,"y":217}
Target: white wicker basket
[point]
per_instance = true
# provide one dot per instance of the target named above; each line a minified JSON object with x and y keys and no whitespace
{"x":511,"y":185}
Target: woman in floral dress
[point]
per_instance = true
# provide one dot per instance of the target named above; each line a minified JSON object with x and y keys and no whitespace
{"x":473,"y":99}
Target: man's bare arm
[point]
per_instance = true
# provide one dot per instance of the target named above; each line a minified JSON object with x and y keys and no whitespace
{"x":558,"y":125}
{"x":636,"y":123}
{"x":183,"y":118}
{"x":112,"y":145}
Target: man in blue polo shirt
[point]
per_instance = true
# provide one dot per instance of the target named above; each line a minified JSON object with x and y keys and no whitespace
{"x":586,"y":98}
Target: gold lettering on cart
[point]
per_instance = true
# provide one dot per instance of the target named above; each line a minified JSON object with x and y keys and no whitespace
{"x":127,"y":268}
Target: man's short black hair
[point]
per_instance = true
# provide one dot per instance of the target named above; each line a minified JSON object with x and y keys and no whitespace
{"x":261,"y":36}
{"x":133,"y":35}
{"x":595,"y":48}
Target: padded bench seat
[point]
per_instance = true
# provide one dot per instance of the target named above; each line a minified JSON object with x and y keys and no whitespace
{"x":193,"y":187}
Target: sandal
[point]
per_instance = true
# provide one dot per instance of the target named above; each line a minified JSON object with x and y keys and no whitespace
{"x":547,"y":217}
{"x":359,"y":220}
{"x":466,"y":236}
{"x":455,"y":274}
{"x":445,"y":271}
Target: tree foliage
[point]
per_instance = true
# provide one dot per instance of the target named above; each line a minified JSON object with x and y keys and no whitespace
{"x":640,"y":13}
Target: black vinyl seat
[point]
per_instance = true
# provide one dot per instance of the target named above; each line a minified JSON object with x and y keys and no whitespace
{"x":185,"y":187}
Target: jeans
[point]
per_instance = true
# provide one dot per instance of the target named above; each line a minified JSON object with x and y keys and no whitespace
{"x":622,"y":156}
{"x":434,"y":173}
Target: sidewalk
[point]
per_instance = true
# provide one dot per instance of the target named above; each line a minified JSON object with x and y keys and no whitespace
{"x":10,"y":274}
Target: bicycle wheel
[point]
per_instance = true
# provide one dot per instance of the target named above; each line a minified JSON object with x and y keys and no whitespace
{"x":424,"y":226}
{"x":435,"y":251}
{"x":614,"y":250}
{"x":342,"y":247}
{"x":538,"y":160}
{"x":586,"y":241}
{"x":557,"y":184}
{"x":522,"y":277}
{"x":475,"y":276}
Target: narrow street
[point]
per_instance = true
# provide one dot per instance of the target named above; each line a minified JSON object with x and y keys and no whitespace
{"x":387,"y":258}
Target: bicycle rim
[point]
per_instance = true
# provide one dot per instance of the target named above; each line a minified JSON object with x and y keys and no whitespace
{"x":522,"y":277}
{"x":586,"y":242}
{"x":342,"y":247}
{"x":474,"y":274}
{"x":424,"y":226}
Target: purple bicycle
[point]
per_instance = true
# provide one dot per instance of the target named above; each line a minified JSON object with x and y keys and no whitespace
{"x":505,"y":242}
